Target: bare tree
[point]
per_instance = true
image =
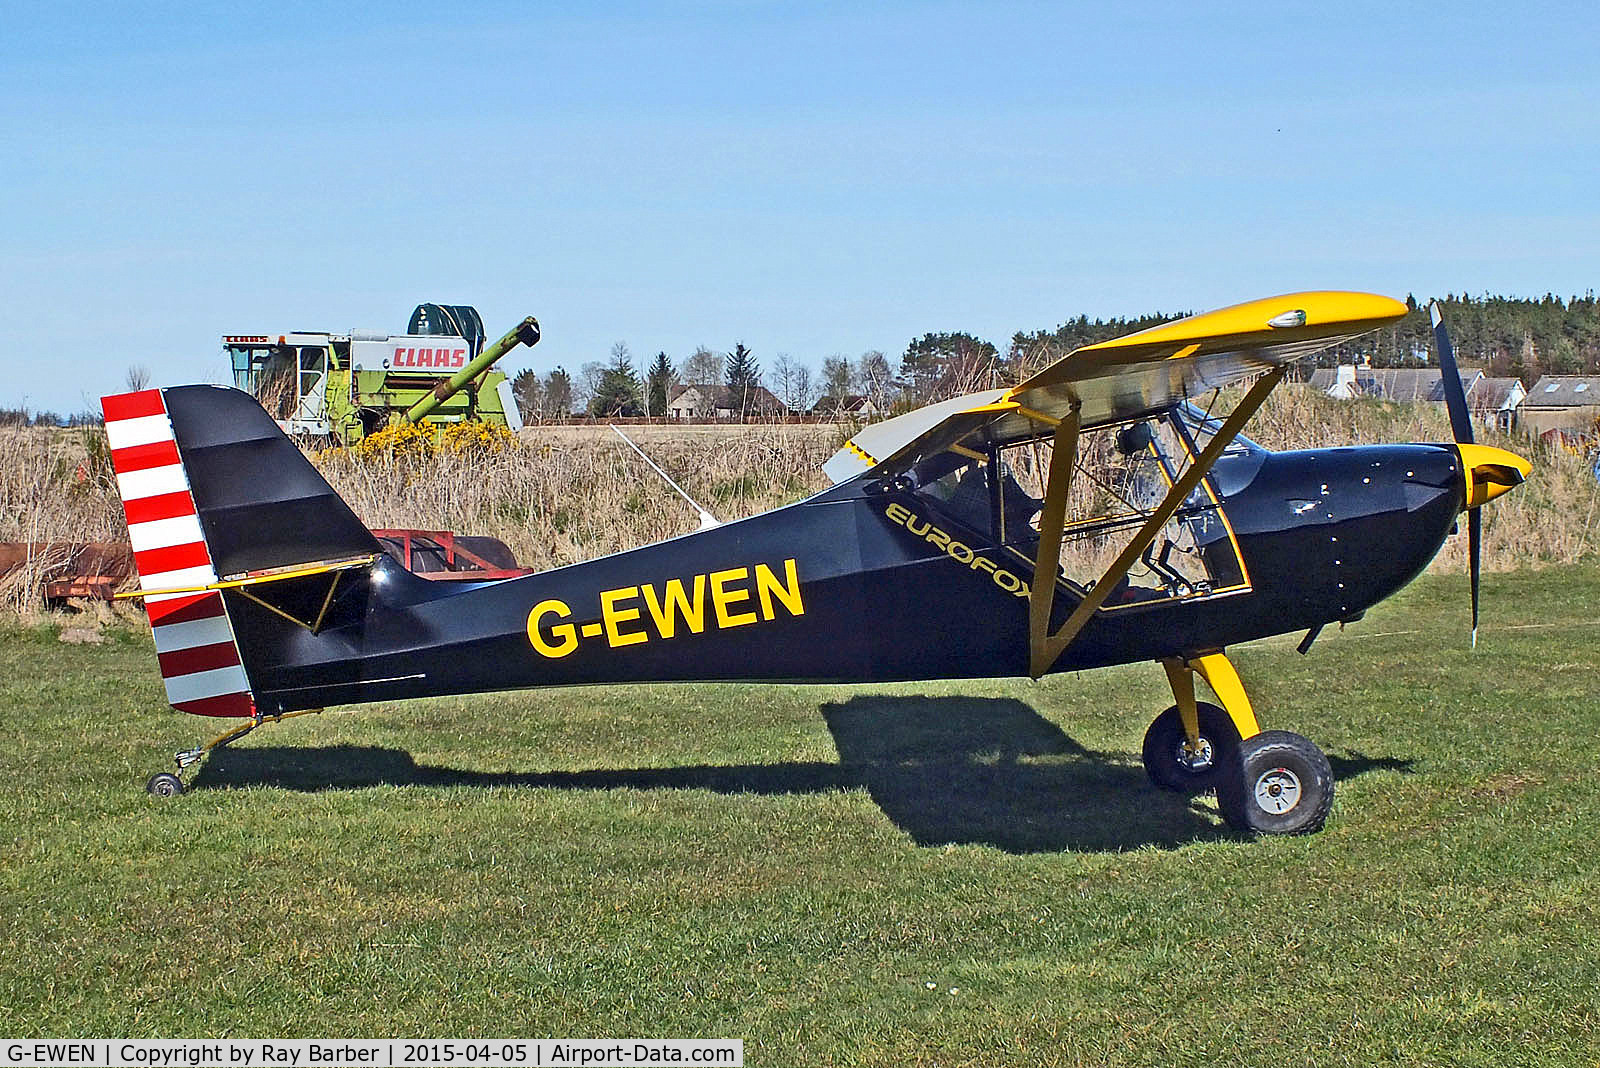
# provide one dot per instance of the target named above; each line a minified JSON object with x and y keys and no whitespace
{"x":837,"y":377}
{"x":876,"y":378}
{"x":783,"y":370}
{"x":804,"y":391}
{"x":702,"y":371}
{"x":587,"y":384}
{"x":137,"y":378}
{"x":703,"y":368}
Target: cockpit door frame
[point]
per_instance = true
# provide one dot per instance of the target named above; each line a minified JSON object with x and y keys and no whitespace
{"x":1045,"y":648}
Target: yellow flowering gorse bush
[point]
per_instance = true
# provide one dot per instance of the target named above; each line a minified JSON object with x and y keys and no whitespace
{"x":473,"y":438}
{"x":396,"y":441}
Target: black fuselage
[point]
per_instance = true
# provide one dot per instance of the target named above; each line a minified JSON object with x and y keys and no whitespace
{"x":842,"y":587}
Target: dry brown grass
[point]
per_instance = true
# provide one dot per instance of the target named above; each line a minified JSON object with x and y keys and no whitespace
{"x":54,"y":488}
{"x":561,"y":498}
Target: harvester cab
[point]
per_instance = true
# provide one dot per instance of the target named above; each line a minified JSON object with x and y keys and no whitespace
{"x":345,"y":386}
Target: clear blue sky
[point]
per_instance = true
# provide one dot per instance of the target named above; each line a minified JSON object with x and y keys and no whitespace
{"x":809,"y":179}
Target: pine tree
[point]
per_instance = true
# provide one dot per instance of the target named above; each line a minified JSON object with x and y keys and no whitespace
{"x":663,"y":376}
{"x":743,"y":378}
{"x":558,"y":393}
{"x":944,"y":365}
{"x":529,"y":392}
{"x":618,"y":391}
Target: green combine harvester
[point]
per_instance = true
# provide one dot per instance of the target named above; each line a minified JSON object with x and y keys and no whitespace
{"x":342,"y":387}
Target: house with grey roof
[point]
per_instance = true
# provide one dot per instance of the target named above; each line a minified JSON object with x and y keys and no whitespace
{"x":856,"y":406}
{"x":1494,"y":401}
{"x":1404,"y":385}
{"x":1498,"y":402}
{"x":1562,"y":402}
{"x":723,"y":404}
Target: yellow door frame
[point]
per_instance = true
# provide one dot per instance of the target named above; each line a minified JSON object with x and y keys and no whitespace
{"x":1044,"y":648}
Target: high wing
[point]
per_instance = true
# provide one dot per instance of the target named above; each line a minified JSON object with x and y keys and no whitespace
{"x":1123,"y":378}
{"x":1117,"y":380}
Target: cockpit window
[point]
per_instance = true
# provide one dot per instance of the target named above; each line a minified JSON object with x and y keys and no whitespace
{"x":965,"y":489}
{"x":958,"y":486}
{"x":1202,"y":427}
{"x":1239,"y":462}
{"x":1123,"y":474}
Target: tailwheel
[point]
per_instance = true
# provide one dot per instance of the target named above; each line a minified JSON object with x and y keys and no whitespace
{"x":1280,"y":783}
{"x":1174,"y":763}
{"x":164,"y":784}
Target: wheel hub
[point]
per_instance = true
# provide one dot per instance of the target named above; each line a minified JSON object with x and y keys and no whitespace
{"x":1195,"y":757}
{"x":1278,"y":791}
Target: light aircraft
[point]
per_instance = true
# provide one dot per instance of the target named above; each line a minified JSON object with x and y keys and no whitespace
{"x":1093,"y":514}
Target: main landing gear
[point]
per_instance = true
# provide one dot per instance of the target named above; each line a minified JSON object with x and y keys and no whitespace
{"x":166,"y":784}
{"x":1267,"y":782}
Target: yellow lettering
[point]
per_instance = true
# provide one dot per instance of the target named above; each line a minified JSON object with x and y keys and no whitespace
{"x":676,"y":603}
{"x":1011,"y":584}
{"x":721,"y":598}
{"x":612,"y":615}
{"x":565,"y":634}
{"x":787,"y":592}
{"x":958,"y":551}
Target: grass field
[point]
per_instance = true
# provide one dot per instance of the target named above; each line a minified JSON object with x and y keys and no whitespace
{"x":915,"y":874}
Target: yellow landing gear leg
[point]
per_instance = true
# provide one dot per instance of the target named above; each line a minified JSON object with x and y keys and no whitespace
{"x":166,"y":784}
{"x":1224,"y":681}
{"x":1190,"y":745}
{"x":1267,"y":782}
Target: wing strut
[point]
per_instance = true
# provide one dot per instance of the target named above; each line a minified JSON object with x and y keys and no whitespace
{"x":1044,"y":648}
{"x":1052,"y":525}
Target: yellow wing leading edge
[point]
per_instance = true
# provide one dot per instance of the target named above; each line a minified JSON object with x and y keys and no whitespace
{"x":1125,"y":377}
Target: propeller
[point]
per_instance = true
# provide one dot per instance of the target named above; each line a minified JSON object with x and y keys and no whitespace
{"x":1455,"y":395}
{"x":1455,"y":401}
{"x":1488,"y":472}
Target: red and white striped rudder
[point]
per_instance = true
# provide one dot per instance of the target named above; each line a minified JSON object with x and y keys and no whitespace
{"x":195,"y":642}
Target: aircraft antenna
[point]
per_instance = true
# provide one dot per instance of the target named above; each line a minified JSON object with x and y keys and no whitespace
{"x":707,"y":520}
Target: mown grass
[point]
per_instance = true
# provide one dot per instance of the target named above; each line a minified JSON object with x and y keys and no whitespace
{"x":945,"y":874}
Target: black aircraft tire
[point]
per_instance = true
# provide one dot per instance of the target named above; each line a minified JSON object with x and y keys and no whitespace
{"x":1163,"y":746}
{"x":164,"y":784}
{"x":1280,"y":783}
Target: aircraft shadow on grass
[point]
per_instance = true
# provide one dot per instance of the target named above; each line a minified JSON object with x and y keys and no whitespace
{"x":969,"y":770}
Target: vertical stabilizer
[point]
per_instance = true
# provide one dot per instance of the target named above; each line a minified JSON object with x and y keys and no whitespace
{"x":194,"y":637}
